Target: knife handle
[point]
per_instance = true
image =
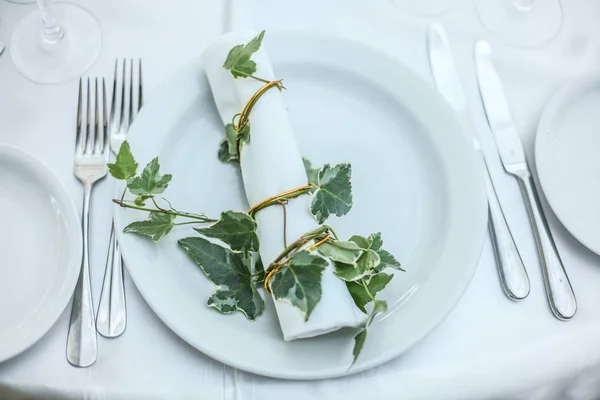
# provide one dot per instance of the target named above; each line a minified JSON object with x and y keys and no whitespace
{"x":513,"y":276}
{"x":558,"y":287}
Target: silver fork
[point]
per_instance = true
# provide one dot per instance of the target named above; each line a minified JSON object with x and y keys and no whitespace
{"x":112,"y":312}
{"x":91,"y":157}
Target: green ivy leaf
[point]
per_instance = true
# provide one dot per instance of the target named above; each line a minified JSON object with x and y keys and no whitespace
{"x":334,"y":192}
{"x":236,"y":229}
{"x":343,"y":252}
{"x":376,"y":284}
{"x":259,"y":271}
{"x":140,"y":201}
{"x":124,"y":166}
{"x":388,"y":261}
{"x":150,"y":182}
{"x":228,"y":149}
{"x":299,"y":282}
{"x":156,"y":227}
{"x":312,"y":174}
{"x":379,"y":306}
{"x":238,"y":60}
{"x":230,"y":273}
{"x":376,"y":241}
{"x":362,"y":242}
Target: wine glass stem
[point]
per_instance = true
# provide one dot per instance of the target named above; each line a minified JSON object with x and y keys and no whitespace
{"x":51,"y":33}
{"x":524,"y":5}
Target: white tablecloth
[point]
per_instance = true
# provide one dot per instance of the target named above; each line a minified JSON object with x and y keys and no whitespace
{"x":488,"y":347}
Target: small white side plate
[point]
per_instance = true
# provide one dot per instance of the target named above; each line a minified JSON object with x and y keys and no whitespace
{"x":40,"y":251}
{"x":567,"y":160}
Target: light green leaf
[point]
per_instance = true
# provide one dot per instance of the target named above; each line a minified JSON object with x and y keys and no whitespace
{"x":334,"y":192}
{"x":358,"y":292}
{"x":376,"y":241}
{"x":124,"y":166}
{"x":350,"y":272}
{"x":311,"y":173}
{"x":299,"y":282}
{"x":362,"y":242}
{"x":157,"y":226}
{"x":150,"y":182}
{"x":343,"y":252}
{"x":238,"y":60}
{"x":236,"y":229}
{"x":230,"y":273}
{"x":379,"y":306}
{"x":140,"y":201}
{"x":368,"y":261}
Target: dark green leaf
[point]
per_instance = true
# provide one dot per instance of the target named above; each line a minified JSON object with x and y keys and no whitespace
{"x":334,"y":192}
{"x":150,"y":182}
{"x":388,"y":261}
{"x":299,"y":282}
{"x":311,"y":173}
{"x":376,"y":241}
{"x":343,"y":252}
{"x":157,"y":226}
{"x":124,"y":166}
{"x":230,"y":273}
{"x":379,"y":306}
{"x":236,"y":229}
{"x":228,"y":148}
{"x":238,"y":60}
{"x":259,"y":270}
{"x":358,"y":292}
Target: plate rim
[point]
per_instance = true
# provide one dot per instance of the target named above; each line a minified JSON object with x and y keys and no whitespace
{"x":549,"y":114}
{"x":478,"y":223}
{"x":52,"y":185}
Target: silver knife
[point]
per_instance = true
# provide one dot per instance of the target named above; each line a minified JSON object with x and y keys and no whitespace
{"x":513,"y":276}
{"x":558,"y":288}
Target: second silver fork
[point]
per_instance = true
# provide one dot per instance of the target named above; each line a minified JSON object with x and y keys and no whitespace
{"x":111,"y":319}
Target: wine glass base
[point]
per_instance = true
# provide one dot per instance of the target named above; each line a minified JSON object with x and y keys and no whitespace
{"x":533,"y":26}
{"x":59,"y":62}
{"x":424,"y":7}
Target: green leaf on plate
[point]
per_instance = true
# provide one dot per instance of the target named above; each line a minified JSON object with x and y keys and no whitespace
{"x":379,"y":306}
{"x":124,"y":166}
{"x":236,"y":229}
{"x":362,"y":242}
{"x":150,"y":182}
{"x":299,"y":282}
{"x":343,"y":252}
{"x":376,"y":284}
{"x":156,"y":227}
{"x":334,"y":192}
{"x":238,"y":60}
{"x":312,"y":174}
{"x":140,"y":201}
{"x":229,"y":271}
{"x":376,"y":241}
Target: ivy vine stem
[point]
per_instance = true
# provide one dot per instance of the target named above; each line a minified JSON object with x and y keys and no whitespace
{"x":200,"y":218}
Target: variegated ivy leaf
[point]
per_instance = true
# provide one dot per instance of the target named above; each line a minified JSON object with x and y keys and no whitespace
{"x":379,"y":306}
{"x":375,"y":285}
{"x":333,"y":194}
{"x":151,"y":181}
{"x":343,"y":252}
{"x":375,"y":242}
{"x":228,"y":149}
{"x":238,"y":60}
{"x":125,"y":165}
{"x":362,"y":268}
{"x":236,"y":229}
{"x":156,"y":227}
{"x":229,"y":271}
{"x":299,"y":282}
{"x":311,"y":173}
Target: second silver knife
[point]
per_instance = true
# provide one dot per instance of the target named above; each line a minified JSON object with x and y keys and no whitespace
{"x":558,"y":288}
{"x":513,"y":276}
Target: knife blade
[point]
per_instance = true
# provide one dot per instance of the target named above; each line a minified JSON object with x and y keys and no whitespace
{"x":558,"y":287}
{"x":513,"y":276}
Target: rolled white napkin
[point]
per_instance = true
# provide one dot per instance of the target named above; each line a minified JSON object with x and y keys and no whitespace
{"x":271,"y":164}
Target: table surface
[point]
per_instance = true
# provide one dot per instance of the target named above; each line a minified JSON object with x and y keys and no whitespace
{"x":488,"y":347}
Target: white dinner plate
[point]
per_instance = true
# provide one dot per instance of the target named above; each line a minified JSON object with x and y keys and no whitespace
{"x":40,"y":250}
{"x":416,"y":179}
{"x":567,"y":161}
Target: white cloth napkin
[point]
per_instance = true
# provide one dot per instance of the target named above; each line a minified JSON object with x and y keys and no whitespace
{"x":271,"y":164}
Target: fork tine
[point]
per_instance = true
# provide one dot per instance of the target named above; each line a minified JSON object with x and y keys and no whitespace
{"x":78,"y":146}
{"x":113,"y":103}
{"x":104,"y":121}
{"x":140,"y":96}
{"x":131,"y":92}
{"x":98,"y":135}
{"x":123,"y":121}
{"x":88,"y":136}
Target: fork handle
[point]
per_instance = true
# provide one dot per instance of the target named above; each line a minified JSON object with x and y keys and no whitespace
{"x":112,"y":313}
{"x":558,"y":287}
{"x":512,"y":272}
{"x":82,"y":345}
